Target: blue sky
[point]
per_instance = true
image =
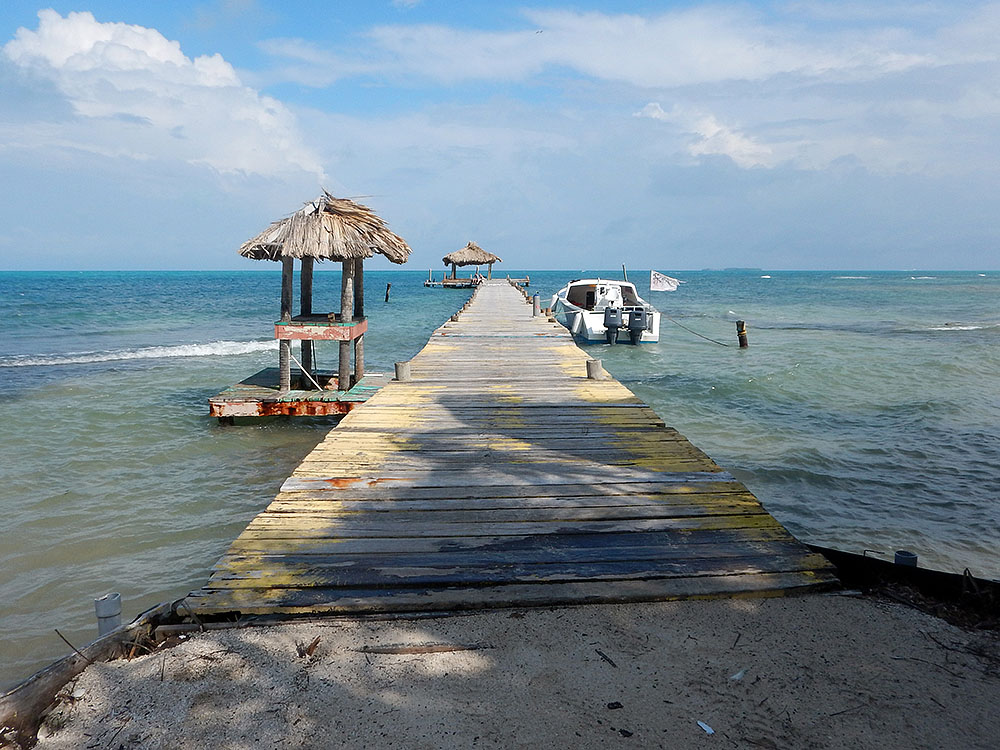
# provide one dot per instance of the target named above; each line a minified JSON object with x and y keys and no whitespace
{"x":673,"y":135}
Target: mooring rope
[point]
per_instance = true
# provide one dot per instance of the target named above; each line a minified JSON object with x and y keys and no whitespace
{"x":720,"y":343}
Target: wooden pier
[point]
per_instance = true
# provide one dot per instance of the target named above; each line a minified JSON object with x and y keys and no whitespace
{"x":449,"y":282}
{"x":500,"y":475}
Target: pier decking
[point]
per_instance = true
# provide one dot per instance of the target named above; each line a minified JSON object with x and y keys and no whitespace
{"x":499,"y":475}
{"x":467,"y":283}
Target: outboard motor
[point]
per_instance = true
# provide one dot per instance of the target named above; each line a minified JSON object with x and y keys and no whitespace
{"x":637,"y":322}
{"x":612,"y":322}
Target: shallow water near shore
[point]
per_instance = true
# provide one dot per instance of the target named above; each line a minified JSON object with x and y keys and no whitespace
{"x":864,"y":415}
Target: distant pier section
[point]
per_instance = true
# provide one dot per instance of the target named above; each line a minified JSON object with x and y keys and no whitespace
{"x":504,"y":468}
{"x":470,"y":255}
{"x":467,"y":283}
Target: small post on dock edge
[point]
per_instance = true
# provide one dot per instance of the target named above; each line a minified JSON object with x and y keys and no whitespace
{"x":109,"y":613}
{"x":741,"y":333}
{"x":905,"y":557}
{"x":536,"y":306}
{"x":595,"y":370}
{"x":403,"y":371}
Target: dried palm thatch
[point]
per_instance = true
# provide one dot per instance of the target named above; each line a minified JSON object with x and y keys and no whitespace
{"x":470,"y":255}
{"x":327,"y":228}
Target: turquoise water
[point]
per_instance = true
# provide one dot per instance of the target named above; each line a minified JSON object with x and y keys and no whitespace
{"x":865,"y":415}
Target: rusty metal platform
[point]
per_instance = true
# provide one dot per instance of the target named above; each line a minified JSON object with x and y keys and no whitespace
{"x":259,"y":396}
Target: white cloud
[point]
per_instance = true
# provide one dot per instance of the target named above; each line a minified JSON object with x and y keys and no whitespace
{"x":712,"y":137}
{"x":137,"y":95}
{"x":678,"y":48}
{"x":762,"y":87}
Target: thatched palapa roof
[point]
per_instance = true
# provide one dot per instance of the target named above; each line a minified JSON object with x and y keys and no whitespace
{"x":470,"y":255}
{"x":327,"y":228}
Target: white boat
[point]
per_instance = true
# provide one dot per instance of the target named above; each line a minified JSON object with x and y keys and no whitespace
{"x":600,"y":309}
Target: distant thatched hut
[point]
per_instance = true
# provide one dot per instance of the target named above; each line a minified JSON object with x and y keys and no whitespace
{"x":471,"y":255}
{"x":327,"y":228}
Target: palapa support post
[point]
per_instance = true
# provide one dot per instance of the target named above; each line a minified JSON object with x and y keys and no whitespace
{"x":346,"y":315}
{"x":359,"y":358}
{"x":284,"y":365}
{"x":359,"y":288}
{"x":388,"y":286}
{"x":284,"y":345}
{"x":305,"y":308}
{"x":454,"y":271}
{"x":741,"y":333}
{"x":359,"y":314}
{"x":489,"y":271}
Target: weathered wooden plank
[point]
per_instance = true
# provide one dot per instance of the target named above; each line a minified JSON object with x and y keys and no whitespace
{"x":358,"y":441}
{"x":345,"y":547}
{"x":397,"y":491}
{"x":520,"y":475}
{"x":666,"y":503}
{"x":306,"y":601}
{"x":513,"y":451}
{"x":430,"y":575}
{"x":514,"y":464}
{"x":274,"y":517}
{"x":348,"y":527}
{"x":525,"y":550}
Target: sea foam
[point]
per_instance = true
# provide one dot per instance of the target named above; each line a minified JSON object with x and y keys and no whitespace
{"x":211,"y":349}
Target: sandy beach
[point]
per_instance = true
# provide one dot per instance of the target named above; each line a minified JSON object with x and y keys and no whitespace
{"x":820,"y":671}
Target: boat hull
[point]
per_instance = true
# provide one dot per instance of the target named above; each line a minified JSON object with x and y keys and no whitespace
{"x":587,"y":325}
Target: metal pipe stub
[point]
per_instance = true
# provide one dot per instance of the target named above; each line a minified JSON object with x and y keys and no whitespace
{"x":905,"y":557}
{"x":109,"y":613}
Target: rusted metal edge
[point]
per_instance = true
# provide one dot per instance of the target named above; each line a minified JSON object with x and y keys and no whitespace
{"x":260,"y":408}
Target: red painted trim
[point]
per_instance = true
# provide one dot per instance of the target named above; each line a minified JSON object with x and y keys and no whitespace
{"x":300,"y":331}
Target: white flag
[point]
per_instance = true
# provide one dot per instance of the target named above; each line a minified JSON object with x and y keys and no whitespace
{"x":660,"y":282}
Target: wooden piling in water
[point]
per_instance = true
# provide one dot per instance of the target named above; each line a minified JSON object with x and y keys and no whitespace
{"x":346,"y":315}
{"x":285,"y":345}
{"x":305,"y":308}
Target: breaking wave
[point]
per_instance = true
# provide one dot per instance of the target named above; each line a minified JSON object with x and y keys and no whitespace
{"x":212,"y":349}
{"x":964,"y":327}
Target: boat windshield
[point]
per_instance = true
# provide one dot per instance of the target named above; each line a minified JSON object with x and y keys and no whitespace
{"x":629,"y":297}
{"x":591,"y":296}
{"x":582,"y":295}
